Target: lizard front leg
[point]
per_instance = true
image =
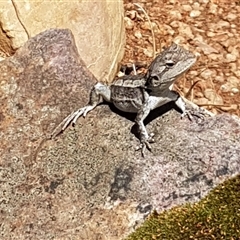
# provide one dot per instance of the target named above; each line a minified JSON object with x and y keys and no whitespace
{"x":142,"y":113}
{"x":195,"y":113}
{"x":98,"y":93}
{"x":150,"y":103}
{"x":145,"y":139}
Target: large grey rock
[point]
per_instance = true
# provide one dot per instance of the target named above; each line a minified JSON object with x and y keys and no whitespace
{"x":89,"y":182}
{"x":98,"y":28}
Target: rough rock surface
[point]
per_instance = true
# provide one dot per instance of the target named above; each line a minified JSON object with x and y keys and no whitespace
{"x":89,"y":182}
{"x":100,"y":42}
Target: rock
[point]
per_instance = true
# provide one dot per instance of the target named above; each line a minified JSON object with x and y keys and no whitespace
{"x":213,"y":8}
{"x":213,"y":97}
{"x":201,"y":101}
{"x":129,"y":24}
{"x":138,"y":34}
{"x":186,"y":30}
{"x":176,"y":14}
{"x":186,"y":7}
{"x":232,"y":82}
{"x":148,"y":52}
{"x":100,"y":42}
{"x":208,"y":74}
{"x":195,"y":13}
{"x":132,"y":14}
{"x":235,"y":90}
{"x":231,"y":17}
{"x":206,"y":48}
{"x":230,"y":58}
{"x":219,"y":78}
{"x":89,"y":182}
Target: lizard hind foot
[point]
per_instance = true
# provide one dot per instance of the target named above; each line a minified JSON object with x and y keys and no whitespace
{"x":73,"y":117}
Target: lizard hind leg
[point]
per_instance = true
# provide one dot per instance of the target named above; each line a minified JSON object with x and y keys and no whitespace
{"x":73,"y":117}
{"x":97,"y":94}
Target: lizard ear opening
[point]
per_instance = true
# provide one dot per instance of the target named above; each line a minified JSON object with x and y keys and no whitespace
{"x":153,"y":81}
{"x":155,"y":77}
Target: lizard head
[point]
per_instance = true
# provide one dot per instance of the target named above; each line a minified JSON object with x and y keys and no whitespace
{"x":168,"y":66}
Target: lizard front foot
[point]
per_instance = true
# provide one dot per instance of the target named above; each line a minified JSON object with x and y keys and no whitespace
{"x":145,"y":144}
{"x":71,"y":119}
{"x":197,"y":114}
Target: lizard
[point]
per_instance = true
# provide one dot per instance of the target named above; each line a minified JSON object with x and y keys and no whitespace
{"x":141,"y":93}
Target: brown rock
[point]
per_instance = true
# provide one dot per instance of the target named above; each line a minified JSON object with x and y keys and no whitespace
{"x":213,"y":97}
{"x":89,"y":182}
{"x":129,"y":24}
{"x":100,"y":42}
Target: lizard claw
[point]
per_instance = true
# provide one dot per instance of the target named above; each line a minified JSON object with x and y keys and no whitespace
{"x":143,"y":147}
{"x":198,"y":114}
{"x":145,"y":144}
{"x":71,"y":118}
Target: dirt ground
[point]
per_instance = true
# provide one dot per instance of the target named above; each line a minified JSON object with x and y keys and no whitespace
{"x":209,"y":28}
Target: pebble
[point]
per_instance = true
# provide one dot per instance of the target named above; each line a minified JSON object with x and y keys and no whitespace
{"x":174,"y":24}
{"x":129,"y":24}
{"x":235,"y":90}
{"x":186,"y":8}
{"x":210,"y":34}
{"x":234,"y":81}
{"x":237,"y":73}
{"x":231,"y":17}
{"x":223,"y":24}
{"x":206,"y":48}
{"x":201,"y":101}
{"x":176,"y":14}
{"x":212,"y":96}
{"x":219,"y":79}
{"x":196,"y":6}
{"x":212,"y":8}
{"x":138,"y":34}
{"x":230,"y":58}
{"x":195,"y":13}
{"x":208,"y":74}
{"x":225,"y":88}
{"x":131,"y":14}
{"x":214,"y":57}
{"x":185,"y":30}
{"x":148,"y":52}
{"x":169,"y":29}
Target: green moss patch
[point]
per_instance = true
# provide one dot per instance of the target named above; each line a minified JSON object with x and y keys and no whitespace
{"x":217,"y":216}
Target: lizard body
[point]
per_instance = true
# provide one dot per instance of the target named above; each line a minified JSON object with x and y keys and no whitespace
{"x":142,"y":93}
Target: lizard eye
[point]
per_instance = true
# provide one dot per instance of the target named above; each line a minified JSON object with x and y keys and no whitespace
{"x":170,"y":63}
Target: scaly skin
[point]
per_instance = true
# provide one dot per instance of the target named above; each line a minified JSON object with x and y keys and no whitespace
{"x":141,"y":94}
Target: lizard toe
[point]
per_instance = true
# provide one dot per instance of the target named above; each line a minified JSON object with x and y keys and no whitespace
{"x":196,"y":114}
{"x":145,"y":144}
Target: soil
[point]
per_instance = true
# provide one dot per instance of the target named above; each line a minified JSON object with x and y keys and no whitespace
{"x":210,"y":29}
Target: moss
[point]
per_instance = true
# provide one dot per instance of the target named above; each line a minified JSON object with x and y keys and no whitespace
{"x":217,"y":216}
